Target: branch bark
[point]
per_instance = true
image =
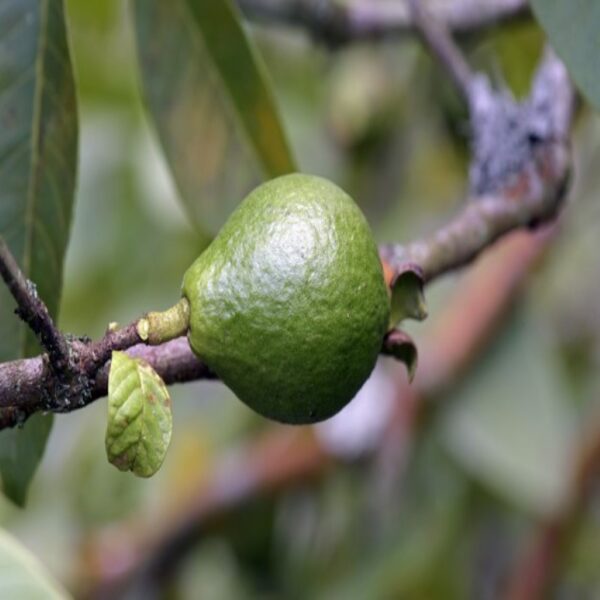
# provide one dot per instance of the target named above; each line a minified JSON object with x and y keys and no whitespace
{"x":534,"y":197}
{"x":25,"y":385}
{"x":519,"y":172}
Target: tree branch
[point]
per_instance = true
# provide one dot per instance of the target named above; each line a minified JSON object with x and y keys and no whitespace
{"x":521,"y":163}
{"x":514,"y":198}
{"x":437,"y":38}
{"x":364,"y":19}
{"x":25,"y":386}
{"x":33,"y":311}
{"x":535,"y":197}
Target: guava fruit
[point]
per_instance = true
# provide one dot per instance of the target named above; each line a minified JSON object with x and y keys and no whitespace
{"x":288,"y":304}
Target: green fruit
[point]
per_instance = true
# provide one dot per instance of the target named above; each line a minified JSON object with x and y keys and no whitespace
{"x":288,"y":303}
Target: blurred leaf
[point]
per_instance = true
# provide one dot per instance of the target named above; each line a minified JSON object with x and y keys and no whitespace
{"x":22,"y":576}
{"x":573,"y":27}
{"x":103,"y":50}
{"x":509,"y":423}
{"x":518,"y":50}
{"x":574,"y":318}
{"x":21,"y":450}
{"x":424,"y":527}
{"x":512,"y":54}
{"x":140,"y":422}
{"x":211,"y":572}
{"x":364,"y":96}
{"x":208,"y":94}
{"x":38,"y":159}
{"x":580,"y":566}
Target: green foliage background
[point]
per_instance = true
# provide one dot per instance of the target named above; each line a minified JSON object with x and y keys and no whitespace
{"x":381,"y":121}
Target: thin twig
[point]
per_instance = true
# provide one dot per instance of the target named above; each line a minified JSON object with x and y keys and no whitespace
{"x":438,"y":39}
{"x":480,"y":223}
{"x":33,"y":311}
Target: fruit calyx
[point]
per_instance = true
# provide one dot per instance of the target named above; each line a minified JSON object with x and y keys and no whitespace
{"x":158,"y":327}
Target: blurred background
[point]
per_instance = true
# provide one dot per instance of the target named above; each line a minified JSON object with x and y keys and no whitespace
{"x":439,"y":506}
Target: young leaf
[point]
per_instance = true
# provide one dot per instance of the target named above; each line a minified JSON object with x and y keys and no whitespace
{"x":139,"y":416}
{"x":209,"y":97}
{"x":38,"y":159}
{"x":22,"y":575}
{"x":573,"y":27}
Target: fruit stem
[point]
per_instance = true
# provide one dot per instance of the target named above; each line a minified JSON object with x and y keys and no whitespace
{"x":158,"y":327}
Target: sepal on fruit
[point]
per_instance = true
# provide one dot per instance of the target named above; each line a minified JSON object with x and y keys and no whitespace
{"x":159,"y":327}
{"x":402,"y":347}
{"x":407,"y":296}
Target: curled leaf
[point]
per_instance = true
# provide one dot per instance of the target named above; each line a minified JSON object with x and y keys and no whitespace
{"x":408,"y":299}
{"x":140,"y":422}
{"x":401,"y":346}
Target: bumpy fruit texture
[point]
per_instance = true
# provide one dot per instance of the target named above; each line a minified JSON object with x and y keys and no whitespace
{"x":288,"y":304}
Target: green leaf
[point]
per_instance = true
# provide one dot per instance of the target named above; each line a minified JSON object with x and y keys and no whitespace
{"x":408,"y":299}
{"x":209,"y":97}
{"x":139,"y":416}
{"x":38,"y":159}
{"x":573,"y":27}
{"x":22,"y":576}
{"x":21,"y":450}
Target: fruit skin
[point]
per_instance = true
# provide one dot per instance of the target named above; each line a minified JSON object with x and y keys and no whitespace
{"x":288,"y":303}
